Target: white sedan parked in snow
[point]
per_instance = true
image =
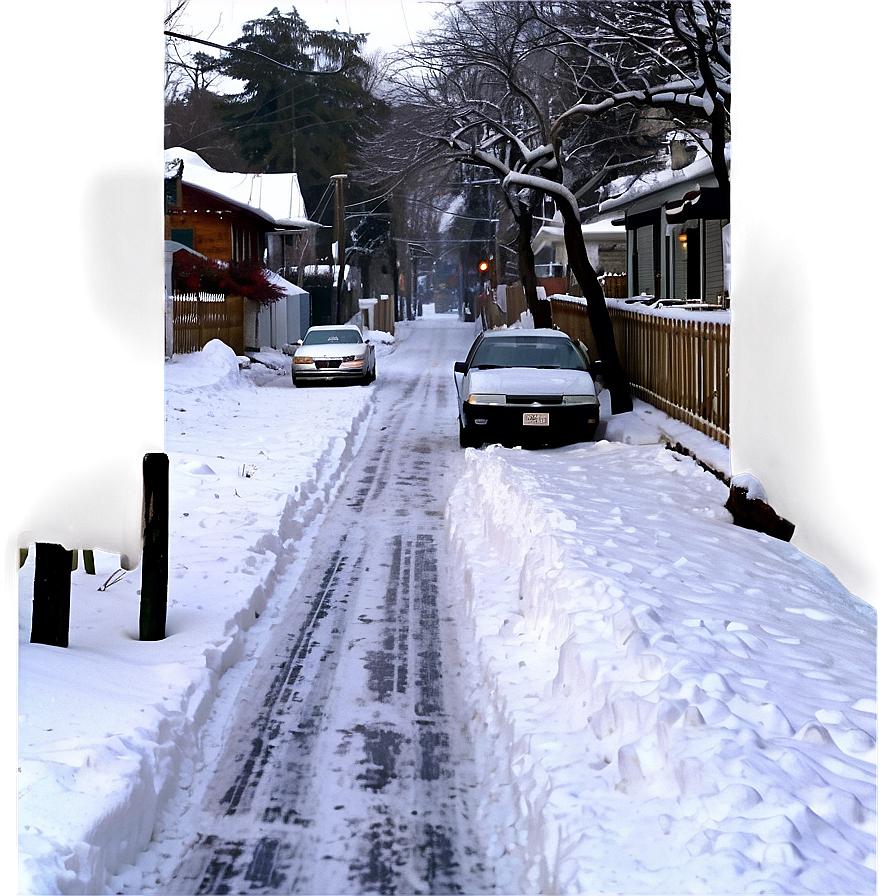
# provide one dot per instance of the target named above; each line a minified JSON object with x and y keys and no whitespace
{"x":329,"y":354}
{"x":525,"y":387}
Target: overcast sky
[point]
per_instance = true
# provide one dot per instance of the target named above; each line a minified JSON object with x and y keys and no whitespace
{"x":387,"y":22}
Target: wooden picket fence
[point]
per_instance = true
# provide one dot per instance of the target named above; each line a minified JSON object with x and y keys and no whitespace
{"x":201,"y":317}
{"x":615,"y":286}
{"x":516,"y":302}
{"x":384,"y":315}
{"x":678,"y":365}
{"x":568,"y":313}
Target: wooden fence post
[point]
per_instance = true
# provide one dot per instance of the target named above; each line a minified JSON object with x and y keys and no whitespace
{"x":154,"y":591}
{"x":52,"y":595}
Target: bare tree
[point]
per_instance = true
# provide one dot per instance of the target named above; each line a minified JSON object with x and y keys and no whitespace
{"x":486,"y":89}
{"x":184,"y":72}
{"x":476,"y":80}
{"x":670,"y":56}
{"x":192,"y":105}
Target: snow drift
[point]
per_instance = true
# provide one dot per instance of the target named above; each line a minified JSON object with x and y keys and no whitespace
{"x":678,"y":705}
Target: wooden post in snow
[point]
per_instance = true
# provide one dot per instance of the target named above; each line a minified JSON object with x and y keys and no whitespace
{"x":154,"y":590}
{"x":52,"y":595}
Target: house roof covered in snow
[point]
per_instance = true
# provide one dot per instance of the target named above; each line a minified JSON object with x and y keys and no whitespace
{"x":658,"y":187}
{"x":598,"y":231}
{"x":289,"y":288}
{"x":276,"y":197}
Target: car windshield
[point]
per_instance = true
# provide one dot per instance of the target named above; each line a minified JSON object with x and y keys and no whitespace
{"x":528,"y":351}
{"x":332,"y":337}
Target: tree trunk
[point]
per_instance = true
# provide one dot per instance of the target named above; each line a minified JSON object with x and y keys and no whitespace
{"x":599,"y":317}
{"x":541,"y":311}
{"x":719,"y":165}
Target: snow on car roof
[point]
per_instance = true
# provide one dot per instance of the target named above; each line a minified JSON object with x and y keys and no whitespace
{"x":335,"y":327}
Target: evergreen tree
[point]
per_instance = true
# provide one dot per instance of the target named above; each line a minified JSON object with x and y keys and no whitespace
{"x":305,"y":103}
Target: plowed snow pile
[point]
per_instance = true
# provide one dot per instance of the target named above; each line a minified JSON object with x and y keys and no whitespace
{"x":678,"y":705}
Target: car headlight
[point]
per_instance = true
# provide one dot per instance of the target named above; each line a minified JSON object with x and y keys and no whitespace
{"x":487,"y":398}
{"x":297,"y":360}
{"x":578,"y":399}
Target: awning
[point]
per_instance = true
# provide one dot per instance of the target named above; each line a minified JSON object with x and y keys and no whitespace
{"x":174,"y":246}
{"x":699,"y":204}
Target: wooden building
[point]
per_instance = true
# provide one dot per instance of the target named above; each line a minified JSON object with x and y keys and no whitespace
{"x":240,"y":217}
{"x":236,"y":216}
{"x":216,"y":227}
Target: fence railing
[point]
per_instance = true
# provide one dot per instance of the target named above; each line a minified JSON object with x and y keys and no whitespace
{"x":201,"y":317}
{"x":615,"y":286}
{"x":678,"y":365}
{"x":516,"y":302}
{"x":569,"y":314}
{"x":384,"y":315}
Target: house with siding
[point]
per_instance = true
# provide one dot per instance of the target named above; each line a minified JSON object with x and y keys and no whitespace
{"x":677,"y":224}
{"x":243,"y":217}
{"x":235,"y":216}
{"x":605,"y":241}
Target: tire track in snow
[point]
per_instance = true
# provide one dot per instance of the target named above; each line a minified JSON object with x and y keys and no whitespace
{"x":346,"y":777}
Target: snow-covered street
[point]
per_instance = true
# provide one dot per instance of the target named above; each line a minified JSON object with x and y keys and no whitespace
{"x":344,"y":769}
{"x":654,"y":699}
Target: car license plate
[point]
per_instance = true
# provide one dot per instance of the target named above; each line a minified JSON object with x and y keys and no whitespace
{"x":536,"y":419}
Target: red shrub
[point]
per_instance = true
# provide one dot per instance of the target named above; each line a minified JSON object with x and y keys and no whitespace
{"x":195,"y":273}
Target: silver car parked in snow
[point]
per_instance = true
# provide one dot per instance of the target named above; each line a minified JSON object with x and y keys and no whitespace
{"x":525,"y":387}
{"x":337,"y":353}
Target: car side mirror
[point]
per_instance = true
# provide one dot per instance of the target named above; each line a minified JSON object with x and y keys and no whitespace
{"x":460,"y":367}
{"x":596,"y":369}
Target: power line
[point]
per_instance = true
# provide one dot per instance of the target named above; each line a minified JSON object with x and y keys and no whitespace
{"x":209,"y":43}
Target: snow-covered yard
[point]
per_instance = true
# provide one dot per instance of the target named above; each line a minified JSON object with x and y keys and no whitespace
{"x":678,"y":705}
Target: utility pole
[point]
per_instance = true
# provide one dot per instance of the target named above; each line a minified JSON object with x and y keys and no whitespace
{"x":338,"y":181}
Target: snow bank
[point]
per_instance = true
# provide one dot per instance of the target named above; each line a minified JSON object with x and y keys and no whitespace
{"x":675,"y":704}
{"x":751,"y":486}
{"x":251,"y":469}
{"x":215,"y":367}
{"x":660,"y":702}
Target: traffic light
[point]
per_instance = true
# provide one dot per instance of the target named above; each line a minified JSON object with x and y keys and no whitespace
{"x":483,"y":267}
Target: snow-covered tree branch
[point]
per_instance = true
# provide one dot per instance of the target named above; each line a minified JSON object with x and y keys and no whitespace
{"x":673,"y":56}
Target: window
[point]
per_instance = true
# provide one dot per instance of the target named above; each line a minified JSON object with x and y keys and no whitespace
{"x":184,"y":236}
{"x":644,"y":243}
